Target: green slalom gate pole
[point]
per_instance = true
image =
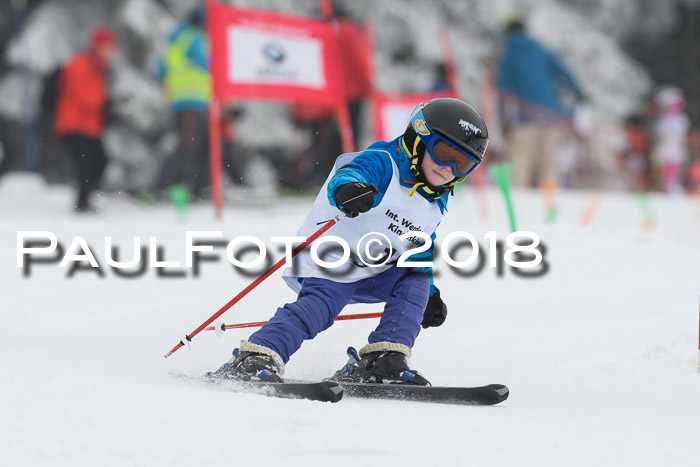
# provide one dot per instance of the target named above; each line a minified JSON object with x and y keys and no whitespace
{"x":502,"y":173}
{"x":647,"y":209}
{"x":180,"y":197}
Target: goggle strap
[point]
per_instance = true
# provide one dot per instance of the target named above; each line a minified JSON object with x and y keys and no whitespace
{"x":413,"y":155}
{"x":416,"y":142}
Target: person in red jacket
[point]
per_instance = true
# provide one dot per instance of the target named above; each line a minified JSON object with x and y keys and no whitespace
{"x":80,"y":111}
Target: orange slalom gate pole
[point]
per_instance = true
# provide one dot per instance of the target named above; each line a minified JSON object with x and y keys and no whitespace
{"x":590,"y":210}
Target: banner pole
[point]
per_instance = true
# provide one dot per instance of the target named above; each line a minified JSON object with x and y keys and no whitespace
{"x":341,"y":109}
{"x":448,"y":61}
{"x":214,"y":111}
{"x":215,"y":156}
{"x":345,"y":124}
{"x":326,"y":9}
{"x":378,"y":124}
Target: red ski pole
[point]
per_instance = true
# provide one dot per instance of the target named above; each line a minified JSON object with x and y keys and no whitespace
{"x":224,"y":327}
{"x":256,"y":282}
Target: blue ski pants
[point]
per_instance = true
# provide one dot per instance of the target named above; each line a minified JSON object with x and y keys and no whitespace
{"x":404,"y":291}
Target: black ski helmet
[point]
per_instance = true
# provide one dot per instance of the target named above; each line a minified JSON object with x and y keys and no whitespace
{"x":452,"y":121}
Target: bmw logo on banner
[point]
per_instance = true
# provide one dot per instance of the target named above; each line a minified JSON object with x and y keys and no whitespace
{"x":274,"y":52}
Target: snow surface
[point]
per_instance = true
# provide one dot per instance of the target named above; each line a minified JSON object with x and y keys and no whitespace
{"x":600,"y":354}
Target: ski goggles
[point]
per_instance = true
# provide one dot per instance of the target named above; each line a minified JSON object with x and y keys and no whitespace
{"x":441,"y":150}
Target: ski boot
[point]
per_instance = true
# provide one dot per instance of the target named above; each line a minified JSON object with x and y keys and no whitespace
{"x":252,"y":363}
{"x":386,"y":365}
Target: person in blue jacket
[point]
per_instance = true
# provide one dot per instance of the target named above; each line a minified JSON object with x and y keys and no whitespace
{"x":391,"y":188}
{"x":528,"y":78}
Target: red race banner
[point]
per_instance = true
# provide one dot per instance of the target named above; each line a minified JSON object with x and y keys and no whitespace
{"x":392,"y":112}
{"x":258,"y":54}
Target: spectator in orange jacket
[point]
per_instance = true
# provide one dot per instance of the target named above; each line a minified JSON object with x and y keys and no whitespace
{"x":80,"y":111}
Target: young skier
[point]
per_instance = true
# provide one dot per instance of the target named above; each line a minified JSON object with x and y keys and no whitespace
{"x":391,"y":187}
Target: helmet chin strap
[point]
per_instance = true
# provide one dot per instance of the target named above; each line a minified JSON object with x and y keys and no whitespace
{"x":415,"y":158}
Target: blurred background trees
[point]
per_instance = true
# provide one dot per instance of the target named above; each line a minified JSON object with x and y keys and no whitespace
{"x":620,"y":50}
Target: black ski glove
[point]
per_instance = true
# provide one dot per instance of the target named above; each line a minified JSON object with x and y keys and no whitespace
{"x":355,"y":198}
{"x":435,"y":311}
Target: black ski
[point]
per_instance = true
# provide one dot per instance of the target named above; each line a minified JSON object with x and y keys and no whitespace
{"x":323,"y":391}
{"x":481,"y":395}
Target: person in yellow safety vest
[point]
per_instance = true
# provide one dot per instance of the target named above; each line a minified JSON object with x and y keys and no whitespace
{"x":184,"y":72}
